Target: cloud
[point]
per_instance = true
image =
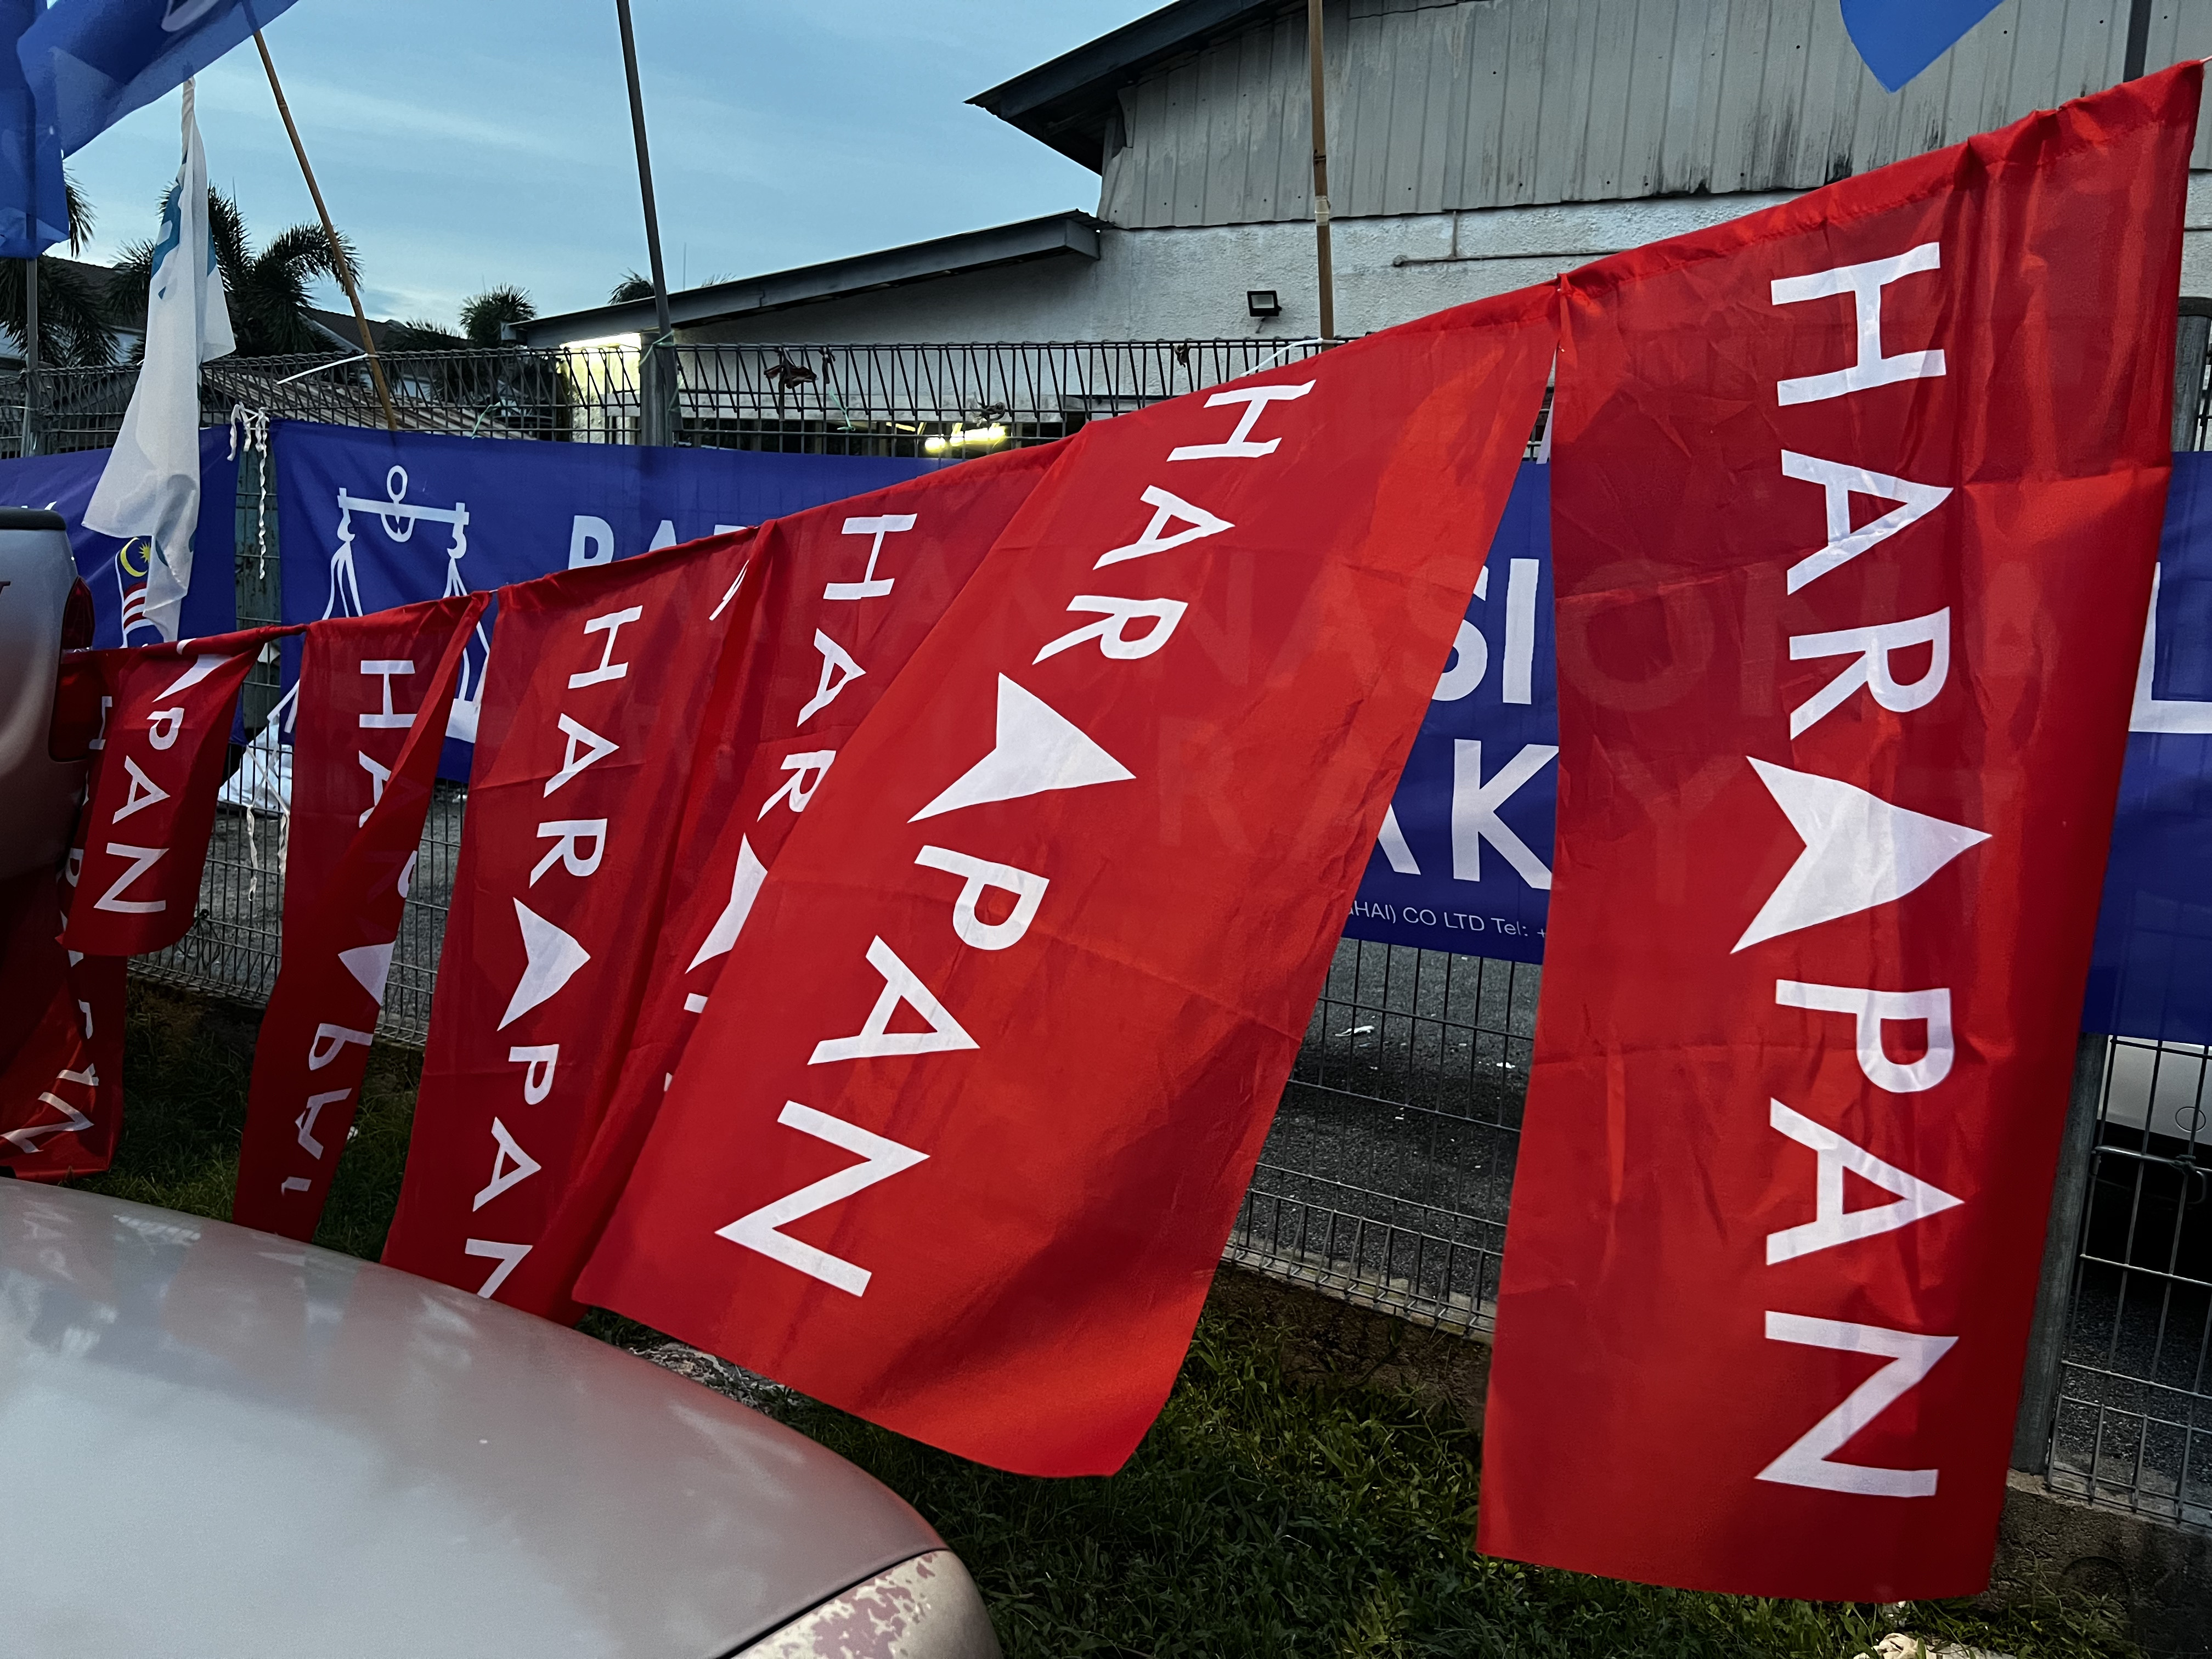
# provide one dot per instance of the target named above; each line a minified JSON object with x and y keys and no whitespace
{"x":463,"y":144}
{"x":331,"y":110}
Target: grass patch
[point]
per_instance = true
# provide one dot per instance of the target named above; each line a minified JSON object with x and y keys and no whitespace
{"x":1273,"y":1510}
{"x":186,"y":1064}
{"x":1267,"y":1517}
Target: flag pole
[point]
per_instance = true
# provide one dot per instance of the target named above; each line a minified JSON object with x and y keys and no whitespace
{"x":651,"y":412}
{"x":2138,"y":46}
{"x":338,"y":259}
{"x":1321,"y":177}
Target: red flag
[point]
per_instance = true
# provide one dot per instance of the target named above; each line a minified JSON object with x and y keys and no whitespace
{"x":161,"y":758}
{"x":31,"y":960}
{"x":156,"y":721}
{"x":844,"y":595}
{"x":598,"y":682}
{"x":374,"y":693}
{"x":961,"y":1136}
{"x":61,"y":1087}
{"x":1855,"y":502}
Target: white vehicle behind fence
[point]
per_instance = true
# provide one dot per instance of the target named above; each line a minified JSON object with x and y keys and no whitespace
{"x":2162,"y":1088}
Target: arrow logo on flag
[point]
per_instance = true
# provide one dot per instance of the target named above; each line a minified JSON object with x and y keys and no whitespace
{"x":1036,"y":751}
{"x":745,"y":888}
{"x":1860,"y":851}
{"x":200,"y":669}
{"x":552,"y":959}
{"x":371,"y":965}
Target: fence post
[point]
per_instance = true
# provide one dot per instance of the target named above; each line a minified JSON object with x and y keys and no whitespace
{"x":2054,"y":1296}
{"x":656,"y":391}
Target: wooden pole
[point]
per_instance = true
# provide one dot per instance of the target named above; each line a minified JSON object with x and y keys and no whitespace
{"x":338,"y":251}
{"x":1320,"y":176}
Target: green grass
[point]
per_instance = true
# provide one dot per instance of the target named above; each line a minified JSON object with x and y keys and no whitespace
{"x":1263,"y":1516}
{"x":1277,"y":1509}
{"x":185,"y":1066}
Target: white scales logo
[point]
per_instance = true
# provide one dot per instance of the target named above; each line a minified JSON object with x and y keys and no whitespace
{"x":398,"y":518}
{"x":264,"y":780}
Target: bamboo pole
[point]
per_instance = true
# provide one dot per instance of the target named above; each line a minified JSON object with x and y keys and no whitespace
{"x":1320,"y":177}
{"x":338,"y":251}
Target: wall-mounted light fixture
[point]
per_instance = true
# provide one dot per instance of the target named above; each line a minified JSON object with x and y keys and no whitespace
{"x":965,"y":438}
{"x":1263,"y":302}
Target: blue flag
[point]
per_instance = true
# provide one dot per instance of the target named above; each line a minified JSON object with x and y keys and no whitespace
{"x":33,"y":211}
{"x":90,"y":63}
{"x":1900,"y":37}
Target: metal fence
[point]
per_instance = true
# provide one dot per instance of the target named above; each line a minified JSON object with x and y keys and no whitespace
{"x":2131,"y":1417}
{"x":2116,"y":1406}
{"x":930,"y":401}
{"x":882,"y":400}
{"x":1386,"y":1173}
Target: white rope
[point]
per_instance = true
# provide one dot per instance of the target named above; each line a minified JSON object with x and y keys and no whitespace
{"x":249,"y":435}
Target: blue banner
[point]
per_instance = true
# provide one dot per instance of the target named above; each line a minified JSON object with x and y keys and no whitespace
{"x":115,"y":570}
{"x":2152,"y":975}
{"x":371,"y":520}
{"x":90,"y":63}
{"x":1463,"y":861}
{"x":34,"y":208}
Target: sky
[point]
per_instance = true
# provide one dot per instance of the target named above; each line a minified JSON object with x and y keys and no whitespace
{"x":464,"y":144}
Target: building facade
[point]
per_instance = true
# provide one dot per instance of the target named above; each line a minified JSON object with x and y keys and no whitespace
{"x":1476,"y":146}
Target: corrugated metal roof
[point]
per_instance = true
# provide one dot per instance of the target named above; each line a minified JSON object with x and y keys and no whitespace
{"x":1439,"y":105}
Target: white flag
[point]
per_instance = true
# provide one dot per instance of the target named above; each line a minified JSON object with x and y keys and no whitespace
{"x":151,"y":485}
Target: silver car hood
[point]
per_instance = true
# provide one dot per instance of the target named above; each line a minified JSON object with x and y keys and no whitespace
{"x":218,"y":1443}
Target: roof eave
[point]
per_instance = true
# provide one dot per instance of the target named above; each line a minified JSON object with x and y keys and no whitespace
{"x":1065,"y":103}
{"x":1055,"y":234}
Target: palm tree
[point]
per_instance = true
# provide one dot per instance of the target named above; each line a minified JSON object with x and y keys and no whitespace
{"x":73,"y":320}
{"x":635,"y":285}
{"x":269,"y":292}
{"x":420,"y":334}
{"x":477,"y":368}
{"x":484,"y":316}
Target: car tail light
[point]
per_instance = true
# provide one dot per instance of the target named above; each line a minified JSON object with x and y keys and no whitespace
{"x":78,"y":623}
{"x":79,"y":711}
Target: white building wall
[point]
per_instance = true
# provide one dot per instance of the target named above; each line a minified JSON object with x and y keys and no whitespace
{"x":1182,"y":284}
